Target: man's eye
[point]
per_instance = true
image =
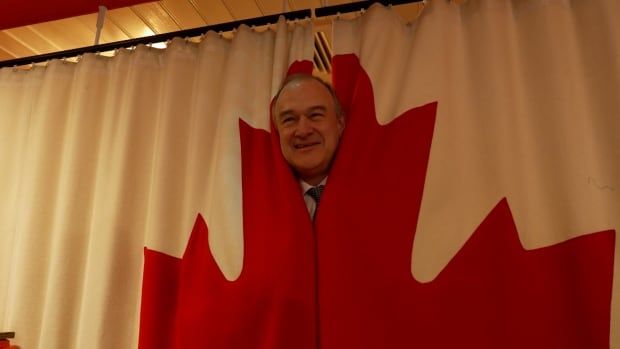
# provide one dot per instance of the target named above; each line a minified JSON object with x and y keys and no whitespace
{"x":287,"y":120}
{"x":316,"y":115}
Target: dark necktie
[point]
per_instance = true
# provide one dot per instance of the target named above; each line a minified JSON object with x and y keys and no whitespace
{"x":315,"y":193}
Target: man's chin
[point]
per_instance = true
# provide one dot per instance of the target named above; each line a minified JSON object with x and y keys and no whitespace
{"x":309,"y":173}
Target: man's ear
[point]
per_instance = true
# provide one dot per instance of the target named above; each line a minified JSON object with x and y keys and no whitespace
{"x":341,"y":124}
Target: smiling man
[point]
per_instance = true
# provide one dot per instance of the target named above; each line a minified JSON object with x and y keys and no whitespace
{"x":309,"y":122}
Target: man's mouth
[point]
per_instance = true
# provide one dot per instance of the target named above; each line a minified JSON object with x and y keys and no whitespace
{"x":305,"y":145}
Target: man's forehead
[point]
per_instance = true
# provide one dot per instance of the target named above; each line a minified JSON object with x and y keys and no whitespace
{"x":302,"y":92}
{"x":303,"y":106}
{"x":305,"y":80}
{"x":306,"y":90}
{"x":307,"y":109}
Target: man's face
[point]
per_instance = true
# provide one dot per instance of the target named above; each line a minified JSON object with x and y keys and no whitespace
{"x":308,"y":127}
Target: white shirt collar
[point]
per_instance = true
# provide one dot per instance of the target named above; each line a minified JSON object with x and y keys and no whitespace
{"x":305,"y":186}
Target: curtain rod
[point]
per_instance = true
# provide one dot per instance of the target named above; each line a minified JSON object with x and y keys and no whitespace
{"x":187,"y":33}
{"x":357,"y":6}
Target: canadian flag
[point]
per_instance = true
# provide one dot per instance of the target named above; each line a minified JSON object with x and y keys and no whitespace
{"x":356,"y":289}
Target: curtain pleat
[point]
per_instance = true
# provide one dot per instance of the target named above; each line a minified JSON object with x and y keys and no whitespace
{"x":109,"y":155}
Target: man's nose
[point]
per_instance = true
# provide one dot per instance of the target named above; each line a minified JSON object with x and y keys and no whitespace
{"x":304,"y":127}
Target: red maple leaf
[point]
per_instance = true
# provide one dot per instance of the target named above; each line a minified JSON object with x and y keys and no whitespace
{"x":492,"y":294}
{"x":187,"y":303}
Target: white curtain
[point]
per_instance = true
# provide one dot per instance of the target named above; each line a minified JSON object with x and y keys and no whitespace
{"x":528,"y":110}
{"x":103,"y":157}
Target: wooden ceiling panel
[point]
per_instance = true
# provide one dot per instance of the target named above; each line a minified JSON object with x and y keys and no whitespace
{"x":110,"y":31}
{"x":269,"y":7}
{"x":165,"y":16}
{"x":57,"y":34}
{"x":128,"y":22}
{"x":213,"y":11}
{"x":17,"y":13}
{"x":241,"y":9}
{"x":304,"y":4}
{"x":32,"y":39}
{"x":156,"y":17}
{"x":13,"y":46}
{"x":5,"y":56}
{"x":184,"y":13}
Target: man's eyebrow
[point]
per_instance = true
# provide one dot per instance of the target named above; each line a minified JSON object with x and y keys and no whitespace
{"x":309,"y":109}
{"x":286,"y":112}
{"x":317,"y":107}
